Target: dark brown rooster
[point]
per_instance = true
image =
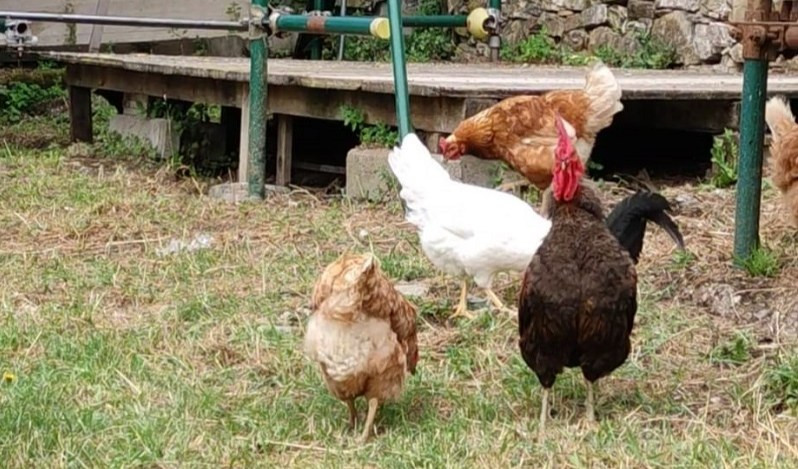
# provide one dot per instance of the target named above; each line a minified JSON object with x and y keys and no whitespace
{"x":579,"y":294}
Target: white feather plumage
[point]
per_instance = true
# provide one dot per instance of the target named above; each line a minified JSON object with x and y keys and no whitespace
{"x":464,"y":229}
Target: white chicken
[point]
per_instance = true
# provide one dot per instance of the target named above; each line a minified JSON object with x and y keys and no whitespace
{"x":465,"y":231}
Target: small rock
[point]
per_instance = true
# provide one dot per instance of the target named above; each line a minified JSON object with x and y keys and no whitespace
{"x":637,"y":9}
{"x":200,"y":241}
{"x":573,"y":22}
{"x":573,"y":5}
{"x":684,"y":5}
{"x":735,"y":53}
{"x":477,"y":302}
{"x":576,"y":39}
{"x":233,"y":192}
{"x":685,"y":200}
{"x":710,"y":40}
{"x":676,"y":30}
{"x":363,"y":233}
{"x":617,"y":16}
{"x":716,"y":9}
{"x":763,"y":314}
{"x":603,"y":36}
{"x":594,"y":16}
{"x":719,"y":298}
{"x":638,"y":27}
{"x":554,"y":24}
{"x":417,"y":289}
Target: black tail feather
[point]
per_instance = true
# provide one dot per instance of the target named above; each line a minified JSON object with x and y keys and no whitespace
{"x":627,"y":221}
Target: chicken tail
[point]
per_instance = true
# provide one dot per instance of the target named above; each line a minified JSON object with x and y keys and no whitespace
{"x":779,"y":117}
{"x":605,"y":98}
{"x":627,"y":221}
{"x":418,"y":173}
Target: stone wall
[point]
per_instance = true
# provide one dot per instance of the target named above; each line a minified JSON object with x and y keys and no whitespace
{"x":697,"y":29}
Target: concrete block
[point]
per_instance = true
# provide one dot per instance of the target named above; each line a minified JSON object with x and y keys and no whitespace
{"x":368,"y":173}
{"x":161,"y":134}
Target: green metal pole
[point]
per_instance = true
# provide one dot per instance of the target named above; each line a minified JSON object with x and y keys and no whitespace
{"x":2,"y":26}
{"x":259,"y":52}
{"x":374,"y":26}
{"x":749,"y":173}
{"x":315,"y":47}
{"x":399,"y":68}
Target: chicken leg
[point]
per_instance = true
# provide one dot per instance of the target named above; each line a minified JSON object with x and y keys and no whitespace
{"x":544,"y":413}
{"x":373,"y":404}
{"x":350,"y":404}
{"x":462,"y":306}
{"x":497,"y":303}
{"x":510,"y":186}
{"x":589,"y":412}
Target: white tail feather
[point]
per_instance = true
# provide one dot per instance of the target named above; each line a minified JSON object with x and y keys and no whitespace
{"x":605,"y":98}
{"x":779,"y":117}
{"x":417,"y":172}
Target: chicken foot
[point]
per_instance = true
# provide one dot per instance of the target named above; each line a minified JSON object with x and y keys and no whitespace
{"x":510,"y":186}
{"x":462,"y":306}
{"x":367,"y":430}
{"x":544,"y":412}
{"x":350,"y":404}
{"x":498,"y":304}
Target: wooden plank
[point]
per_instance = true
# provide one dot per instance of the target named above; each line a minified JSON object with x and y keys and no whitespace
{"x":322,"y":168}
{"x":427,"y":113}
{"x":96,"y":37}
{"x":243,"y":145}
{"x":80,"y":114}
{"x":449,"y":80}
{"x":285,"y":144}
{"x":191,"y":89}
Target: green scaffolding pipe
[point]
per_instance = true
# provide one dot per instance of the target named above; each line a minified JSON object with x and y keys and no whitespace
{"x":497,"y":4}
{"x":378,"y":27}
{"x":435,"y":21}
{"x":399,"y":69}
{"x":315,"y":47}
{"x":256,"y":159}
{"x":2,"y":26}
{"x":749,"y":174}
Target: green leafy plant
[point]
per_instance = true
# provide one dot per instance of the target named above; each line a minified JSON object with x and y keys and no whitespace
{"x":734,"y":352}
{"x":781,"y":382}
{"x":725,"y":155}
{"x":536,"y":48}
{"x":762,"y":263}
{"x":379,"y":135}
{"x":20,"y":99}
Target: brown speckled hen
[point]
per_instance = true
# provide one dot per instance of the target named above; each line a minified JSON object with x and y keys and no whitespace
{"x":521,"y":130}
{"x":362,"y":333}
{"x":784,"y":153}
{"x":579,"y":294}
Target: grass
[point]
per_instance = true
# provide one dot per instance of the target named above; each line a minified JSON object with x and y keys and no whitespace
{"x":114,"y":355}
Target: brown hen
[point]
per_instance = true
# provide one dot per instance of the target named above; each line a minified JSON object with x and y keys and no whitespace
{"x":362,"y":333}
{"x":784,"y":153}
{"x":521,"y":130}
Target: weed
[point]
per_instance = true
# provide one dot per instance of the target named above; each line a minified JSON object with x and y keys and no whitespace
{"x":21,"y":99}
{"x":781,"y":382}
{"x":725,"y":155}
{"x":762,"y":263}
{"x":379,"y":135}
{"x":536,"y":48}
{"x":734,"y":352}
{"x":681,"y":259}
{"x":539,"y":47}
